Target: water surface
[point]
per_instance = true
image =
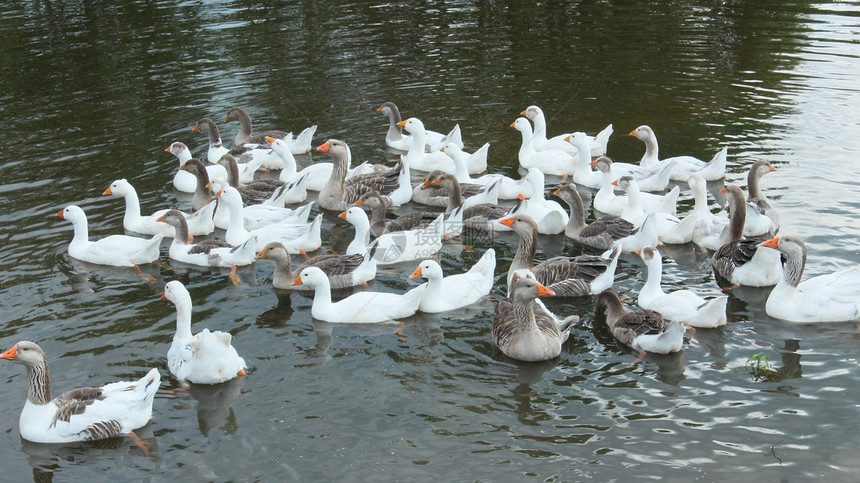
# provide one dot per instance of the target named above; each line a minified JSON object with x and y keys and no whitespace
{"x":94,"y":91}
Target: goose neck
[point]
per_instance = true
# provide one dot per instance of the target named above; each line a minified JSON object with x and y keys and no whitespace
{"x":793,"y":267}
{"x":524,"y":311}
{"x":526,"y":249}
{"x":38,"y":383}
{"x":132,"y":207}
{"x":183,"y":319}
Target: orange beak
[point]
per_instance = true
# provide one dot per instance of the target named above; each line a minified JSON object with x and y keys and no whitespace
{"x":160,"y":218}
{"x":342,"y":215}
{"x":270,"y":139}
{"x":416,"y":273}
{"x":723,"y":191}
{"x":521,"y":197}
{"x":567,"y":139}
{"x":593,"y":163}
{"x":227,"y":119}
{"x":524,"y":112}
{"x":324,"y":147}
{"x":509,"y":221}
{"x":426,"y":183}
{"x":297,"y":281}
{"x":773,"y":168}
{"x":402,"y":123}
{"x":514,"y":124}
{"x":209,"y":185}
{"x":163,"y":296}
{"x":60,"y":214}
{"x":190,"y":238}
{"x":11,"y":354}
{"x":194,"y":129}
{"x":772,"y":243}
{"x":557,"y":191}
{"x":219,"y":193}
{"x":358,"y":203}
{"x":615,"y":183}
{"x":261,"y":254}
{"x":544,"y":291}
{"x":183,"y":166}
{"x":107,"y":191}
{"x":167,"y":149}
{"x":639,"y":251}
{"x":632,"y":133}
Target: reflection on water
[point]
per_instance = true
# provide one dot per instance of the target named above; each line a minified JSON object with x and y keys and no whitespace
{"x":433,"y":398}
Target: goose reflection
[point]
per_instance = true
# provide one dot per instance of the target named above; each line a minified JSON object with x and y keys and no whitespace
{"x":214,"y":405}
{"x":44,"y":458}
{"x":279,"y":315}
{"x":318,"y":354}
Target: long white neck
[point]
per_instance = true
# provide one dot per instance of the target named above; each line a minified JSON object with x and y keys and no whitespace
{"x":583,"y":160}
{"x":322,"y":294}
{"x":652,"y":152}
{"x":183,"y":156}
{"x":289,"y":171}
{"x":633,"y":197}
{"x":655,"y":277}
{"x":81,"y":235}
{"x":362,"y":237}
{"x":606,"y":188}
{"x":434,"y":288}
{"x":237,"y":220}
{"x":183,"y":318}
{"x":527,"y":139}
{"x":132,"y":207}
{"x":417,"y":142}
{"x":700,"y":200}
{"x":540,"y":126}
{"x":461,"y":172}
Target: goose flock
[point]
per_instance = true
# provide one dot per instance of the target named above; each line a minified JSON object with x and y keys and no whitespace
{"x":260,"y":217}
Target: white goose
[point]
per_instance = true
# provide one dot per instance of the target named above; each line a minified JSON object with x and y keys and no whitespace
{"x":397,"y":246}
{"x":550,"y":161}
{"x":426,"y":161}
{"x":202,"y":358}
{"x":597,"y":144}
{"x":700,"y":225}
{"x":455,"y":291}
{"x":634,"y":213}
{"x":396,"y":139}
{"x":550,"y":216}
{"x":208,"y":253}
{"x":509,"y":188}
{"x":681,"y":305}
{"x":199,"y":223}
{"x":606,"y":201}
{"x":834,"y":297}
{"x":294,"y":236}
{"x":683,"y":166}
{"x":114,"y":250}
{"x":361,"y":307}
{"x":183,"y":180}
{"x":85,"y":414}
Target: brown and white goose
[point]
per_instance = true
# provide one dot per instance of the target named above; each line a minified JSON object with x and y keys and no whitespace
{"x":340,"y":193}
{"x":762,"y":218}
{"x":85,"y":414}
{"x":565,"y":276}
{"x":643,"y":330}
{"x":524,"y":330}
{"x":741,"y":261}
{"x":602,"y":233}
{"x":379,"y":222}
{"x":298,"y":144}
{"x":343,"y":271}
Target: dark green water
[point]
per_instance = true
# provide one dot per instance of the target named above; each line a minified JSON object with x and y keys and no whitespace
{"x":94,"y":91}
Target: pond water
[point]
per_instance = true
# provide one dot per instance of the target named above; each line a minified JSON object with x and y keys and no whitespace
{"x":94,"y":91}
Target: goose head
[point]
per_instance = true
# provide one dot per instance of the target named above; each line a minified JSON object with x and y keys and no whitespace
{"x":74,"y":214}
{"x":624,"y":182}
{"x":120,"y":187}
{"x":175,"y":292}
{"x":643,"y":133}
{"x":180,"y":150}
{"x":390,"y":109}
{"x":579,"y":140}
{"x":25,"y":352}
{"x":522,"y":125}
{"x":603,"y":164}
{"x":790,"y":245}
{"x":648,"y":254}
{"x":206,"y":126}
{"x":371,"y":199}
{"x":521,"y":223}
{"x":274,"y":251}
{"x":230,"y":196}
{"x":237,"y":114}
{"x":413,"y":125}
{"x":356,"y":216}
{"x":312,"y":277}
{"x":428,"y":269}
{"x":532,"y":112}
{"x":526,"y":289}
